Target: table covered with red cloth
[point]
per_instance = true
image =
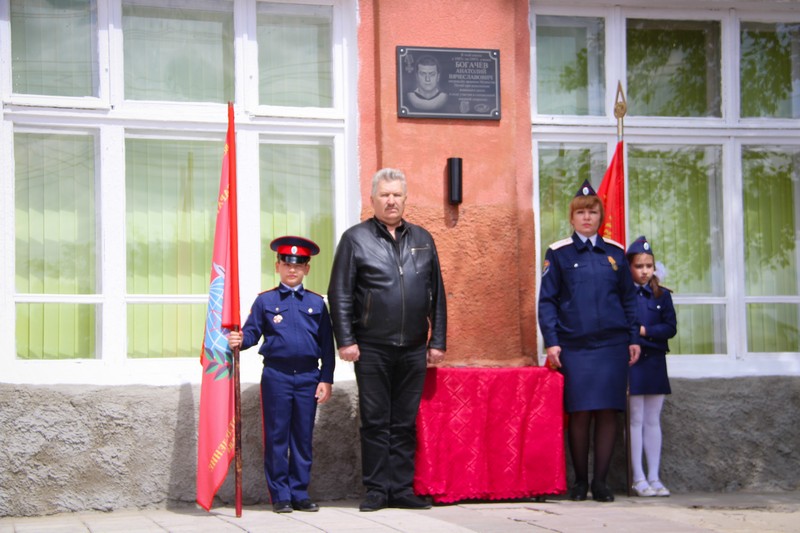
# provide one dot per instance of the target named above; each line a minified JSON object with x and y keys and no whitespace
{"x":490,"y":434}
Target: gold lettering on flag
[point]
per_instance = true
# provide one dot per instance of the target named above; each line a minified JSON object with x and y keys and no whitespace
{"x":226,"y":446}
{"x":222,"y":199}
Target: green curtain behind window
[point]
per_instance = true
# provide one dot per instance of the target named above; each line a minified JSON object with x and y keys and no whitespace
{"x":178,"y":54}
{"x":295,"y":59}
{"x":55,"y":245}
{"x":56,"y":331}
{"x":770,"y":183}
{"x":770,"y":70}
{"x":701,"y":329}
{"x":674,"y":68}
{"x":165,"y":330}
{"x":171,"y":190}
{"x":674,"y":198}
{"x":570,"y":65}
{"x":54,"y":47}
{"x":562,"y":169}
{"x":297,"y":199}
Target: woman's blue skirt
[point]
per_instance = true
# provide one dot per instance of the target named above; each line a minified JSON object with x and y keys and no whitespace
{"x":595,"y":378}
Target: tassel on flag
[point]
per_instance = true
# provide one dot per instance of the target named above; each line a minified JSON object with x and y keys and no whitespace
{"x":612,"y":194}
{"x":218,"y":423}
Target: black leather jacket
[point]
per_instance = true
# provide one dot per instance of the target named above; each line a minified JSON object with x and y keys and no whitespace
{"x":387,"y":291}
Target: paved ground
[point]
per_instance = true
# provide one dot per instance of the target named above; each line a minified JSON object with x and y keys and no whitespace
{"x":685,"y":513}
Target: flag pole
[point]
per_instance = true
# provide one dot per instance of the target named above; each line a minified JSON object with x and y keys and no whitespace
{"x":234,"y":277}
{"x":620,"y":109}
{"x":237,"y":403}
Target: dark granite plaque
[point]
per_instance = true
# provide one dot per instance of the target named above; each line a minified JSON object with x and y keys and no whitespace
{"x":448,"y":83}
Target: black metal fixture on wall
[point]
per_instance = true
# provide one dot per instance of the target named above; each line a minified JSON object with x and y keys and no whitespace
{"x":454,"y":179}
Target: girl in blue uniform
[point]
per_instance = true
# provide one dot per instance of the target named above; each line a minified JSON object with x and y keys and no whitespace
{"x":587,"y":314}
{"x":648,"y":377}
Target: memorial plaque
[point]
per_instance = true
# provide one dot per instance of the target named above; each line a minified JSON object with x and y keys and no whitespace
{"x":448,"y":83}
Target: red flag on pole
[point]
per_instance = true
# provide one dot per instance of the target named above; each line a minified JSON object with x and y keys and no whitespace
{"x":216,"y":439}
{"x":612,"y":194}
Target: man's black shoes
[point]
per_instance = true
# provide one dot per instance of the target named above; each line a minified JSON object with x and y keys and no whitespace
{"x":409,"y":501}
{"x":305,"y":505}
{"x":373,"y":502}
{"x":376,"y":500}
{"x":282,"y":507}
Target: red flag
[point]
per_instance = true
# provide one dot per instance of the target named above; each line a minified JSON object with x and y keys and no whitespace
{"x":216,"y":438}
{"x":612,"y":194}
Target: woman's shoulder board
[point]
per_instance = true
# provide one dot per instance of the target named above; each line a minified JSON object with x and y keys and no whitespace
{"x":560,"y":244}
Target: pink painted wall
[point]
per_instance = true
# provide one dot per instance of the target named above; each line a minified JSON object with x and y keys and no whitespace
{"x":486,"y":243}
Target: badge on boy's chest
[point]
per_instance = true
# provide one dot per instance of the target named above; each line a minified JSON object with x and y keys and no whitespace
{"x":613,"y":263}
{"x":277,"y":319}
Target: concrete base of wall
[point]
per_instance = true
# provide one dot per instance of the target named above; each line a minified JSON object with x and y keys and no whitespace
{"x":76,"y":448}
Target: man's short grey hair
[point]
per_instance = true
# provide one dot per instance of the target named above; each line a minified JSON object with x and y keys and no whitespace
{"x":388,"y":174}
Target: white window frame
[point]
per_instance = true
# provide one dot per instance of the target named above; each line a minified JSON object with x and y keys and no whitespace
{"x":730,"y":132}
{"x":7,"y":95}
{"x":112,"y":119}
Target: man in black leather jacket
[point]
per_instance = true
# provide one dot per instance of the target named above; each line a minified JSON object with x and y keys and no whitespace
{"x":389,"y":314}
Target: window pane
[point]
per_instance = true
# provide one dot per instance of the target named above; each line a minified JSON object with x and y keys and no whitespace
{"x":56,"y":331}
{"x":770,"y":70}
{"x":171,"y":193}
{"x":54,"y":220}
{"x":570,"y":60}
{"x":172,"y":187}
{"x":674,"y":68}
{"x":295,"y":55}
{"x":773,"y":328}
{"x":53,"y":47}
{"x":55,"y":245}
{"x":562,"y":169}
{"x":771,"y":199}
{"x":297,"y":199}
{"x":166,"y":330}
{"x":701,"y":330}
{"x":675,"y":199}
{"x":176,"y":53}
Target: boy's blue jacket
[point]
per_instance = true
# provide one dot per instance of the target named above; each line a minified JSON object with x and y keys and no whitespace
{"x":293,"y":324}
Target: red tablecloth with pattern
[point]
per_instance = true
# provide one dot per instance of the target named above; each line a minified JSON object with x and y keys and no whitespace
{"x":490,"y":434}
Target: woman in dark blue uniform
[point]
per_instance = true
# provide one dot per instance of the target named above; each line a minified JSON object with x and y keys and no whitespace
{"x":648,"y":378}
{"x":587,"y":314}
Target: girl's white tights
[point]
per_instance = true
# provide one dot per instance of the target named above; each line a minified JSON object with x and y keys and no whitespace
{"x":646,"y":434}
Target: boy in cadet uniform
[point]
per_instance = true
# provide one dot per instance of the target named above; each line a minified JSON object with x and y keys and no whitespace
{"x":297,"y":334}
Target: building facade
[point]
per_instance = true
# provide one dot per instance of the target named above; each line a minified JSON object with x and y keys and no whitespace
{"x":113,"y":121}
{"x":113,"y":113}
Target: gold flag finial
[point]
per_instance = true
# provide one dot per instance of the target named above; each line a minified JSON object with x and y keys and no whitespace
{"x":620,"y":108}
